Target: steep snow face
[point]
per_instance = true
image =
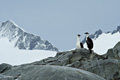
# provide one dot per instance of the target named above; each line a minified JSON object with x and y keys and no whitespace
{"x":14,"y":56}
{"x":22,"y":39}
{"x":105,"y":41}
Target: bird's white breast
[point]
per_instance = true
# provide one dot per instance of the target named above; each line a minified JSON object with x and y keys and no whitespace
{"x":78,"y":43}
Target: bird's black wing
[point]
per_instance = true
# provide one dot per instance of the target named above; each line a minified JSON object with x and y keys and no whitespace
{"x":89,"y":43}
{"x":81,"y":45}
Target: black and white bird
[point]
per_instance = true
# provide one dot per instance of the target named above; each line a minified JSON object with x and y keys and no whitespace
{"x":89,"y":42}
{"x":79,"y":45}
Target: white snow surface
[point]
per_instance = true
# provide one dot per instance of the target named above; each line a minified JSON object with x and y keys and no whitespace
{"x":11,"y":55}
{"x":104,"y":42}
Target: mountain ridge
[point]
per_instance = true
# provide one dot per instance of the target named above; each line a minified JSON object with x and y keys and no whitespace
{"x":23,"y":39}
{"x":103,"y":40}
{"x":99,"y":32}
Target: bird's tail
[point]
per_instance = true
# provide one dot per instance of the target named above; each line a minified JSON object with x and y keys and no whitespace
{"x":90,"y":50}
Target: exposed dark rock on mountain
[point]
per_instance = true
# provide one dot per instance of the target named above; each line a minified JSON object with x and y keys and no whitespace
{"x":117,"y":30}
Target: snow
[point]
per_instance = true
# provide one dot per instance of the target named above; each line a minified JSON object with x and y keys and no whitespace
{"x":11,"y":55}
{"x":105,"y":42}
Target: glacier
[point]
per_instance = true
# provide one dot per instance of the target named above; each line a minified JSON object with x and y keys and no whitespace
{"x":14,"y":56}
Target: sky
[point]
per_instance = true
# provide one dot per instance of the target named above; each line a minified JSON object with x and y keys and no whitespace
{"x":59,"y":21}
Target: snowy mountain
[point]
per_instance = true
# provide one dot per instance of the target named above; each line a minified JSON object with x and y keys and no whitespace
{"x":104,"y":40}
{"x":22,"y":39}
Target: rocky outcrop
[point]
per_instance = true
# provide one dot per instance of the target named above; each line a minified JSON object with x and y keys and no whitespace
{"x":4,"y":67}
{"x":107,"y":66}
{"x":114,"y":53}
{"x":47,"y":72}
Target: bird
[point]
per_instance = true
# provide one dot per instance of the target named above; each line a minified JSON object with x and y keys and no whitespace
{"x":89,"y":42}
{"x":79,"y":44}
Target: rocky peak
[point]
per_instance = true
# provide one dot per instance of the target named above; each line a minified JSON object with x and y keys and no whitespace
{"x":23,"y":39}
{"x":8,"y":24}
{"x":96,"y":34}
{"x":117,"y":30}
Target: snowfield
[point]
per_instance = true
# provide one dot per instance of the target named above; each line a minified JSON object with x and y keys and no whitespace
{"x":11,"y":55}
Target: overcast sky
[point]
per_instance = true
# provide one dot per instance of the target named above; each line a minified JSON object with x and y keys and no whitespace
{"x":59,"y":21}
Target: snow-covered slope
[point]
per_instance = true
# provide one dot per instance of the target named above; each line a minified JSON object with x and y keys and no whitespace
{"x":22,"y":39}
{"x":104,"y":40}
{"x":14,"y":56}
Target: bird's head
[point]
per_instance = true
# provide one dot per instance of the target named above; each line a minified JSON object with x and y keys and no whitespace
{"x":87,"y":34}
{"x":79,"y":35}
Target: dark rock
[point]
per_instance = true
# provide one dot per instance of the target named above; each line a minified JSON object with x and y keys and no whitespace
{"x":114,"y":53}
{"x":117,"y":30}
{"x":69,"y":57}
{"x":4,"y":67}
{"x":105,"y":68}
{"x":47,"y":72}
